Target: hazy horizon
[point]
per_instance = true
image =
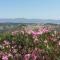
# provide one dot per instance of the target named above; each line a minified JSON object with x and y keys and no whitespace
{"x":23,"y":20}
{"x":32,"y":18}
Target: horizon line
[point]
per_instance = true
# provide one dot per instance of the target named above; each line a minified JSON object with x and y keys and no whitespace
{"x":32,"y":18}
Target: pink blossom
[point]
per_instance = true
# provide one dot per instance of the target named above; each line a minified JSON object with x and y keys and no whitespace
{"x":6,"y":42}
{"x":45,"y":30}
{"x":40,"y":31}
{"x":15,"y":32}
{"x":34,"y":57}
{"x":5,"y":57}
{"x":37,"y":33}
{"x":27,"y":57}
{"x":34,"y":33}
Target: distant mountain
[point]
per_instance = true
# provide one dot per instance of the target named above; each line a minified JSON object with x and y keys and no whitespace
{"x":22,"y":20}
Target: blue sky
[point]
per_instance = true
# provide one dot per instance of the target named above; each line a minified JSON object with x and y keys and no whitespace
{"x":44,"y":9}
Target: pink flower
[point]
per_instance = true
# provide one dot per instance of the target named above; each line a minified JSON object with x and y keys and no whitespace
{"x":15,"y":32}
{"x":27,"y":57}
{"x":45,"y":30}
{"x":36,"y":33}
{"x":40,"y":31}
{"x":6,"y":42}
{"x":5,"y":57}
{"x":34,"y":57}
{"x":33,"y":33}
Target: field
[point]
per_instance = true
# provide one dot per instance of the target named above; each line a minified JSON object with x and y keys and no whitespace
{"x":29,"y":41}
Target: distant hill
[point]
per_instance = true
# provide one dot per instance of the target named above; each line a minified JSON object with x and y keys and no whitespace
{"x":22,"y":20}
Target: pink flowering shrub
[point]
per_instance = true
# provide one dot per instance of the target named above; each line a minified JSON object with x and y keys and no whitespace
{"x":26,"y":44}
{"x":40,"y":31}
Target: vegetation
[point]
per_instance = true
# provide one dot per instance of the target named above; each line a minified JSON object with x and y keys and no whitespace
{"x":36,"y":43}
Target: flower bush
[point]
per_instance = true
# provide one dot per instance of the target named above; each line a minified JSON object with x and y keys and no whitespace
{"x":40,"y":44}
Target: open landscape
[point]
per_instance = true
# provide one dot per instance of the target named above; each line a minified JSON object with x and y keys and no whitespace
{"x":30,"y":41}
{"x":29,"y":29}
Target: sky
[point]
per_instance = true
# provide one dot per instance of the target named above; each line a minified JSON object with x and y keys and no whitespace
{"x":36,"y":9}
